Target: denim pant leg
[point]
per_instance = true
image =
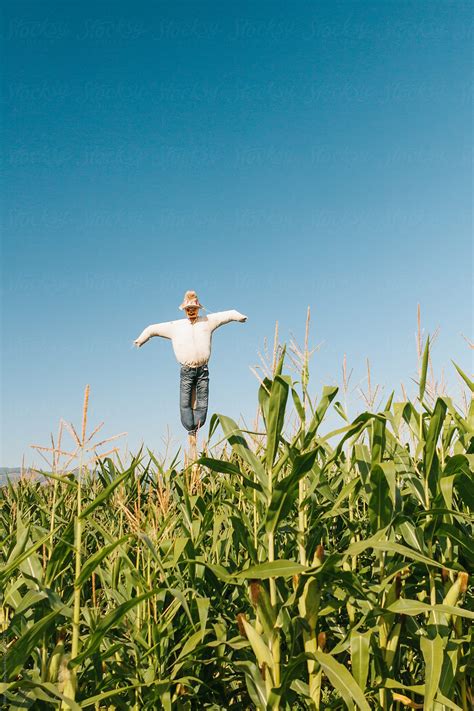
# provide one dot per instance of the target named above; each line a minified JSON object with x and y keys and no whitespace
{"x":202,"y":396}
{"x":185,"y":394}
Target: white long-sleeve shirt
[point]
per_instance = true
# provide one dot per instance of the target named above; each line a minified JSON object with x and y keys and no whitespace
{"x":191,"y":341}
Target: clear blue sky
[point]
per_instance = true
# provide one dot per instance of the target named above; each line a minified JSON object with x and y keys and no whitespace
{"x":270,"y":156}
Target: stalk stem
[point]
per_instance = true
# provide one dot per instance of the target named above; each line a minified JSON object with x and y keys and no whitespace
{"x":77,"y":589}
{"x":76,"y":614}
{"x":301,"y":522}
{"x":271,"y":558}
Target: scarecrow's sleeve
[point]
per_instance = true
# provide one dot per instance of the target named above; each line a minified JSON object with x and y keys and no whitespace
{"x":221,"y":317}
{"x":165,"y":330}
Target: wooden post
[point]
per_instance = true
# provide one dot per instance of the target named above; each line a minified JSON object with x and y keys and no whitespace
{"x":192,"y":446}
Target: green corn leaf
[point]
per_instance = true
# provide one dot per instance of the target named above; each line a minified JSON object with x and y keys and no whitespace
{"x":31,"y":599}
{"x":378,"y":439}
{"x":446,"y":485}
{"x":353,"y":430}
{"x":456,"y":465}
{"x":110,"y":620}
{"x":424,"y":369}
{"x":63,"y":550}
{"x":255,"y":684}
{"x":224,"y":467}
{"x":342,"y":680}
{"x":394,"y":684}
{"x":360,"y":656}
{"x":415,"y":607}
{"x":388,"y":404}
{"x":413,"y":536}
{"x":66,"y":480}
{"x":449,"y":670}
{"x":105,"y":493}
{"x":328,"y":395}
{"x":392,"y":644}
{"x":95,"y":560}
{"x":340,"y":410}
{"x":430,"y":458}
{"x":380,"y":502}
{"x":7,"y":570}
{"x":279,"y":365}
{"x":191,"y":643}
{"x":55,"y":694}
{"x":432,"y":650}
{"x":236,"y":439}
{"x":243,"y":536}
{"x":219,"y":465}
{"x":465,"y":489}
{"x":346,"y":491}
{"x":456,"y":535}
{"x":390,"y":546}
{"x":467,"y":380}
{"x":218,"y":570}
{"x":276,"y":417}
{"x":203,"y":604}
{"x":159,"y":684}
{"x":301,"y":687}
{"x":19,"y":652}
{"x":22,"y":537}
{"x":298,"y":405}
{"x":441,"y":699}
{"x":274,"y":569}
{"x":285,"y":491}
{"x":44,"y":691}
{"x":180,"y":543}
{"x":264,"y":397}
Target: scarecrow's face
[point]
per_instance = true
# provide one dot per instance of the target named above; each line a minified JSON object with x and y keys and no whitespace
{"x":192,"y":312}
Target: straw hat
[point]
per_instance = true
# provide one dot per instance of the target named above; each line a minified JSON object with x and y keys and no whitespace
{"x":190,"y":299}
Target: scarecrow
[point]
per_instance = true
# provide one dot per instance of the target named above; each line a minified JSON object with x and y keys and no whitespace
{"x":191,"y":340}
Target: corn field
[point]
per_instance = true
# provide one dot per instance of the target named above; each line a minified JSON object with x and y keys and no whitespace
{"x":279,"y":571}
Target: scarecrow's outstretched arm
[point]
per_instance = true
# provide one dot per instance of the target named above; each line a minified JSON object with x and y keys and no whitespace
{"x":156,"y":329}
{"x":221,"y":317}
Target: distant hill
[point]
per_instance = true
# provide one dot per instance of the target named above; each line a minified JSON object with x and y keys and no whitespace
{"x":12,"y":473}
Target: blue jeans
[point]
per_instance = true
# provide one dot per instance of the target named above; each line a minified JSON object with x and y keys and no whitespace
{"x":189,"y":378}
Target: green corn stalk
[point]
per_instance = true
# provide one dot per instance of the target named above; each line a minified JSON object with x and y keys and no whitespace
{"x":308,"y":608}
{"x":70,"y":684}
{"x":276,"y":414}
